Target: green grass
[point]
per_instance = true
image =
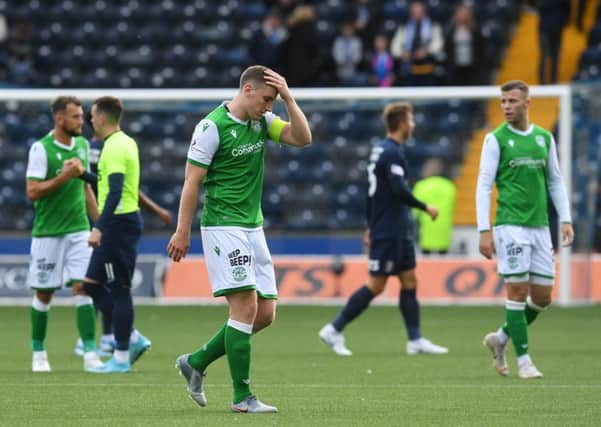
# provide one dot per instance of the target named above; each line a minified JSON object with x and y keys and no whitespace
{"x":378,"y":386}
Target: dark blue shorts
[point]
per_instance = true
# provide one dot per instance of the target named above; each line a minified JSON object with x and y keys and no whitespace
{"x":391,"y":256}
{"x":114,"y":261}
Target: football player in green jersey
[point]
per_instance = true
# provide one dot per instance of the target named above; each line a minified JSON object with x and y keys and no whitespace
{"x":59,"y":250}
{"x":226,"y":155}
{"x":521,"y":159}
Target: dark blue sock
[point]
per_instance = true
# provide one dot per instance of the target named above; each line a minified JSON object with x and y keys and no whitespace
{"x":354,"y":307}
{"x":123,"y":316}
{"x":103,"y":301}
{"x":410,"y":311}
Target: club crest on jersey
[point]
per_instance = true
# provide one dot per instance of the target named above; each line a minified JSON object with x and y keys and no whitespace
{"x":511,"y":142}
{"x":256,"y":126}
{"x":234,"y":133}
{"x":540,"y":141}
{"x":59,"y":156}
{"x":81,"y":153}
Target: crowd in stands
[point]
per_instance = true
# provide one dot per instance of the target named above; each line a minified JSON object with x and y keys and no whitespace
{"x":114,"y":43}
{"x":313,"y":43}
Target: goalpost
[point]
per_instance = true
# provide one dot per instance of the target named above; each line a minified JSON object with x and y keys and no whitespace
{"x":562,"y":92}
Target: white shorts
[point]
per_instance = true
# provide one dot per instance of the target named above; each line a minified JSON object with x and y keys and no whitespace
{"x":524,"y":254}
{"x":238,"y":259}
{"x":58,"y":261}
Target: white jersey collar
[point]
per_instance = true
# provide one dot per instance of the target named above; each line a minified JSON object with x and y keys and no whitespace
{"x":231,"y":116}
{"x":61,"y":145}
{"x":521,"y":132}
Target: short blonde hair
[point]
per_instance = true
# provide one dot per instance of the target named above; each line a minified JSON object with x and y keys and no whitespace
{"x":396,"y":114}
{"x":516,"y":84}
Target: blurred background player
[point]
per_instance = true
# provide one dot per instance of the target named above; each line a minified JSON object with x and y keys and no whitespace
{"x":521,"y":158}
{"x":59,"y":250}
{"x":227,"y":153}
{"x":435,"y":189}
{"x":388,"y":237}
{"x":105,"y":304}
{"x":116,"y":233}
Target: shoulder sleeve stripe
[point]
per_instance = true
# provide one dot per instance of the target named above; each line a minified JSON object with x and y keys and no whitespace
{"x":195,"y":163}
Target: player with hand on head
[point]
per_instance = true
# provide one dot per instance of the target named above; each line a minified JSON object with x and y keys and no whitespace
{"x":388,"y":237}
{"x":521,"y":158}
{"x":226,"y":155}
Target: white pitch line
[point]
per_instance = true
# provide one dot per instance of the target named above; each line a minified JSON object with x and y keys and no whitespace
{"x":326,"y":386}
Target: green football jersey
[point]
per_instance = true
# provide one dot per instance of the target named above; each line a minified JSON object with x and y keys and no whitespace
{"x":64,"y":210}
{"x":232,"y":151}
{"x":119,"y":155}
{"x":522,"y":176}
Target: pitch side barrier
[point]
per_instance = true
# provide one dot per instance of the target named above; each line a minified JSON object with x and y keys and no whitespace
{"x":315,"y":280}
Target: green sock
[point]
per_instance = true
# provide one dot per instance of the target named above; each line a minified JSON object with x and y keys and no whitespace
{"x":39,"y":325}
{"x":211,"y":351}
{"x":531,"y":311}
{"x":516,"y":325}
{"x":86,"y":324}
{"x":237,"y":348}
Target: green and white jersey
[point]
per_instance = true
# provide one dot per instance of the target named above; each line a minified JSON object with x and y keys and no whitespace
{"x":524,"y":165}
{"x":64,"y":210}
{"x":232,"y":151}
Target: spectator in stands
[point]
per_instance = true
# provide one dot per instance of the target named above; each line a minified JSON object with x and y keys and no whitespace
{"x":20,"y":61}
{"x":3,"y":55}
{"x":382,"y":63}
{"x":436,"y":190}
{"x":3,"y":29}
{"x":418,"y":46}
{"x":367,"y":21}
{"x":554,"y":15}
{"x":347,"y":52}
{"x":266,"y":44}
{"x":463,"y":47}
{"x":284,"y":7}
{"x":301,"y":48}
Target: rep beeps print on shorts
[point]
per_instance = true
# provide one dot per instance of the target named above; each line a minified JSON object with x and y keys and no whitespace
{"x":524,"y":254}
{"x":58,"y":261}
{"x":237,"y":258}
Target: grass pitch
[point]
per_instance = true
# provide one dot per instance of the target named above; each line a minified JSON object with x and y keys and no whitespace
{"x":378,"y":386}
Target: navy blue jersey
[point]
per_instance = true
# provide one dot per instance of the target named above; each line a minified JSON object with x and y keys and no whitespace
{"x":389,"y":199}
{"x":95,"y":149}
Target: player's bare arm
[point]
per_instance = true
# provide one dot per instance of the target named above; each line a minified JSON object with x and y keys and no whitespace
{"x":567,"y":234}
{"x":95,"y":238}
{"x":163,"y":214}
{"x":366,"y":238}
{"x":487,"y":246}
{"x":91,"y":203}
{"x":432,"y":211}
{"x":180,"y":240}
{"x":297,"y":133}
{"x":39,"y":189}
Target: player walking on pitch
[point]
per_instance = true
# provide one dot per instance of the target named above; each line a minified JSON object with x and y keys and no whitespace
{"x":388,"y":237}
{"x":226,"y":155}
{"x":521,"y":158}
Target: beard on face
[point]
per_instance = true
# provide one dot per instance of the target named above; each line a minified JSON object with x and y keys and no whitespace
{"x":73,"y":131}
